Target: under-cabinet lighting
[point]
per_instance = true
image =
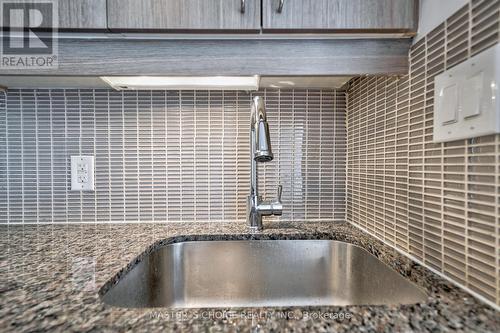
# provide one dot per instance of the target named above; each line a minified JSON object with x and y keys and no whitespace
{"x":183,"y":82}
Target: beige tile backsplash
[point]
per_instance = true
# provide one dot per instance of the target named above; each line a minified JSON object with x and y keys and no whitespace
{"x":437,"y":202}
{"x":167,"y":156}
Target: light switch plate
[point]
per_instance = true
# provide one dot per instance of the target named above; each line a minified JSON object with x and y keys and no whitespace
{"x":476,"y":99}
{"x":82,"y":173}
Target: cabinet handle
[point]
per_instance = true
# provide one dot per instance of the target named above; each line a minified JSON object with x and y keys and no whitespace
{"x":280,"y":6}
{"x":242,"y":8}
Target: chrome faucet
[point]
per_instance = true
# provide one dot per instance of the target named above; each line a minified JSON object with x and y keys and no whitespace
{"x":260,"y":151}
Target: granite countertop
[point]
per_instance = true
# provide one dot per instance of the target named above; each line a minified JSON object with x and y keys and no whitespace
{"x":51,"y":274}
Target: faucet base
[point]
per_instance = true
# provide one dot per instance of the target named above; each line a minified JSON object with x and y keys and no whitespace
{"x":255,"y":230}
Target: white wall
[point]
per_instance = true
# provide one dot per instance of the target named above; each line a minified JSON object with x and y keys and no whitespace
{"x":434,"y":12}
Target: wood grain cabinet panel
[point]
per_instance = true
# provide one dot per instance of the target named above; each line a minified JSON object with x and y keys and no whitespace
{"x":184,"y":15}
{"x":363,"y":15}
{"x":73,"y":15}
{"x":82,"y":14}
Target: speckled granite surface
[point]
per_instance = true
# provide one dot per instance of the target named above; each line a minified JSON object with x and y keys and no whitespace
{"x":50,"y":276}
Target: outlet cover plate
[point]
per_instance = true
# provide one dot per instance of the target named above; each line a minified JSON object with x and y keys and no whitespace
{"x":82,"y":173}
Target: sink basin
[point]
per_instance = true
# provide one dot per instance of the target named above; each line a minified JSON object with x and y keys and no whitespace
{"x":260,"y":273}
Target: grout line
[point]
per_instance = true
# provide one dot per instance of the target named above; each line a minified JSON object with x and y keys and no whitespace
{"x":138,"y":173}
{"x":65,"y":160}
{"x":469,"y":30}
{"x":209,"y":150}
{"x":279,"y":170}
{"x":22,"y":154}
{"x":111,"y":222}
{"x":497,"y":179}
{"x":425,"y":223}
{"x":223,"y":152}
{"x":108,"y":137}
{"x":384,"y":186}
{"x":94,"y":125}
{"x":37,"y":160}
{"x":165,"y":137}
{"x":80,"y":143}
{"x":7,"y":152}
{"x":181,"y":175}
{"x":151,"y":150}
{"x":124,"y":153}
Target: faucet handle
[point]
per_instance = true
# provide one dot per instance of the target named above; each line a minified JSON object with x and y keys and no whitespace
{"x":277,"y":206}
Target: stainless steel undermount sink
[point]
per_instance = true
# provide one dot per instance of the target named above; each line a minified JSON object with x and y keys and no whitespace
{"x":258,"y":273}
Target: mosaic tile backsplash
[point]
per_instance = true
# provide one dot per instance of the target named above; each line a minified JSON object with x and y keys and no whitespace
{"x":439,"y":203}
{"x":167,"y":156}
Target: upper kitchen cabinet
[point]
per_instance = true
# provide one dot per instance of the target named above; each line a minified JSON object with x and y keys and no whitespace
{"x":72,"y":15}
{"x":82,"y":14}
{"x":340,"y":15}
{"x":184,"y":15}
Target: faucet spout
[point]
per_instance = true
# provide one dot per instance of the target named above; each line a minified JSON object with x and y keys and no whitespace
{"x":260,"y":152}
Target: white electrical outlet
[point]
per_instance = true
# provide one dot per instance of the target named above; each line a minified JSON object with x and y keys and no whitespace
{"x":82,"y":173}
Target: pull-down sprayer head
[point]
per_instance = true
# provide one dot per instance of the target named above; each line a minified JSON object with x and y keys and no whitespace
{"x":260,"y":129}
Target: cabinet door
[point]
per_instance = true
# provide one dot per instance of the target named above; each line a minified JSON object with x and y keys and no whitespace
{"x":184,"y":15}
{"x":73,"y":14}
{"x":82,"y":14}
{"x":369,"y":15}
